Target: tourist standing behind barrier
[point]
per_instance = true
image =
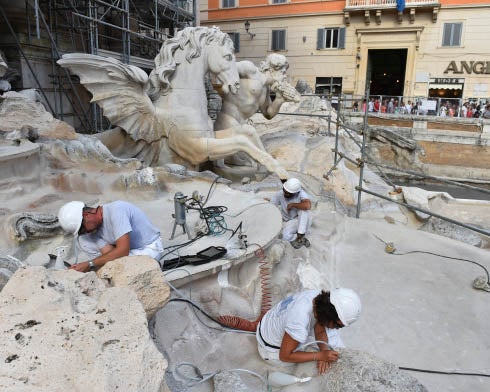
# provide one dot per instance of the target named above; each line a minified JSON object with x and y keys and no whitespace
{"x":486,"y":113}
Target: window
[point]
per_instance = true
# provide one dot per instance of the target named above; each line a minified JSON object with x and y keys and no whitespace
{"x":235,"y":37}
{"x":328,"y":85}
{"x":278,"y":40}
{"x":228,"y":4}
{"x":332,"y":38}
{"x":278,"y":1}
{"x":452,"y":34}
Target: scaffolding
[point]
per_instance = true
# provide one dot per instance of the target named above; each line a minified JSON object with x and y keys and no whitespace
{"x":131,"y":31}
{"x":360,"y":139}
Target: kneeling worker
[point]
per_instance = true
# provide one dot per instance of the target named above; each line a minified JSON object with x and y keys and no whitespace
{"x":307,"y":316}
{"x":295,"y":206}
{"x":110,"y":231}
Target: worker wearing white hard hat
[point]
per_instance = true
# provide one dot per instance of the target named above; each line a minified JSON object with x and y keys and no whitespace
{"x":307,"y":316}
{"x":110,"y":231}
{"x":295,"y":206}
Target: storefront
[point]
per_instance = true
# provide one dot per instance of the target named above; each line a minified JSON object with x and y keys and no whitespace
{"x":446,"y":87}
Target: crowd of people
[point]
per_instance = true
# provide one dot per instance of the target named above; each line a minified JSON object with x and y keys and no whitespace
{"x":447,"y":108}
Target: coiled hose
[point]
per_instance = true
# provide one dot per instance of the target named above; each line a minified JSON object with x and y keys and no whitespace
{"x":236,"y":322}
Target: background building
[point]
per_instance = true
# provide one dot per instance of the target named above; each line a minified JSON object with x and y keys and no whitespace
{"x":34,"y":34}
{"x":411,"y":48}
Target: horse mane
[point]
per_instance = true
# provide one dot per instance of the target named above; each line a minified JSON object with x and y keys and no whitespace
{"x":191,"y":40}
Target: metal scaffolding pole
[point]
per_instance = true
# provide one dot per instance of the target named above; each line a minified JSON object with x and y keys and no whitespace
{"x":410,"y":207}
{"x":445,"y":180}
{"x":7,"y":22}
{"x":56,"y":51}
{"x":363,"y":154}
{"x":126,"y":37}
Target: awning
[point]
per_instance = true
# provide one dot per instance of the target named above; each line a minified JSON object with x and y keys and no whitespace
{"x":446,"y":86}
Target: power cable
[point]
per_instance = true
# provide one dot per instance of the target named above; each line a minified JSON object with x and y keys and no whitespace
{"x":443,"y":372}
{"x":214,"y":183}
{"x":202,"y":377}
{"x":226,"y":328}
{"x":390,"y":248}
{"x":479,"y":283}
{"x":179,"y":246}
{"x":447,"y":257}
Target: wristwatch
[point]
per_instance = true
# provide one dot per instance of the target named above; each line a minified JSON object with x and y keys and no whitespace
{"x":91,"y":264}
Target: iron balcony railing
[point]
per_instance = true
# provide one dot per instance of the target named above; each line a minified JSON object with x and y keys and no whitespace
{"x":377,"y":4}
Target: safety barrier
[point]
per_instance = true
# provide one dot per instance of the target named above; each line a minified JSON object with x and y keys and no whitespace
{"x":366,"y":159}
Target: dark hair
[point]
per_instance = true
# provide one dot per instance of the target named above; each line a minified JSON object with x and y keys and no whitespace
{"x":90,"y":209}
{"x":325,"y":311}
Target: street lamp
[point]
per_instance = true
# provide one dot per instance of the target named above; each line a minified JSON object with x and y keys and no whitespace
{"x":247,"y":26}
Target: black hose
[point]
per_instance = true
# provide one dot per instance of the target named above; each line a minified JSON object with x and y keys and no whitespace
{"x":202,"y":311}
{"x":448,"y":373}
{"x":447,"y":257}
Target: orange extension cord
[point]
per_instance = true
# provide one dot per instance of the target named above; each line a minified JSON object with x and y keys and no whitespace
{"x":242,"y":324}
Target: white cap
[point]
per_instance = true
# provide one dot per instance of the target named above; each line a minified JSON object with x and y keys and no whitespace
{"x":293,"y":185}
{"x":70,"y":216}
{"x":347,"y":304}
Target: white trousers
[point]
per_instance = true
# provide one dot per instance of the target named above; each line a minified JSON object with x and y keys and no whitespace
{"x":300,"y":224}
{"x":271,"y":355}
{"x":155,"y":250}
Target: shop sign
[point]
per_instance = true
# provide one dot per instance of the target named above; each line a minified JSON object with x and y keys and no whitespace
{"x":446,"y":80}
{"x":476,"y":67}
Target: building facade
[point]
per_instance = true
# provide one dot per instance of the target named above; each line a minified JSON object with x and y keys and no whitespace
{"x":411,"y":48}
{"x":34,"y":34}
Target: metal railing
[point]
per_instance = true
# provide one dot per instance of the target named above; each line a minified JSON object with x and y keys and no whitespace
{"x":387,"y":3}
{"x":367,"y":159}
{"x":426,"y":106}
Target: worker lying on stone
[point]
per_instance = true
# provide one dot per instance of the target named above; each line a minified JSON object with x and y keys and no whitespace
{"x":110,"y":231}
{"x":295,"y":206}
{"x":304,"y":317}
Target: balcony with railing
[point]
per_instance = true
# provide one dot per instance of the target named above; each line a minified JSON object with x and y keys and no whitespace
{"x":379,"y":7}
{"x":383,"y":4}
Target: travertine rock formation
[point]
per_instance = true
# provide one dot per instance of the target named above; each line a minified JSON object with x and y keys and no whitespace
{"x":142,"y":274}
{"x":17,"y":111}
{"x":357,"y":371}
{"x":63,"y":330}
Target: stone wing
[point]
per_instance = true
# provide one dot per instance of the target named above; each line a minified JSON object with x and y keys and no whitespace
{"x":121,"y":91}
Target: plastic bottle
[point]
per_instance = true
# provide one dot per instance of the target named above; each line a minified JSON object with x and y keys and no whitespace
{"x":279,"y":379}
{"x":60,"y":258}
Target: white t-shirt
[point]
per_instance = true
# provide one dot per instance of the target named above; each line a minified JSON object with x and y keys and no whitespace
{"x":293,"y":315}
{"x":279,"y":200}
{"x":120,"y":217}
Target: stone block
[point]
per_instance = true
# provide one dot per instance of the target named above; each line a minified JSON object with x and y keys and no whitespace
{"x":142,"y":274}
{"x":65,"y":331}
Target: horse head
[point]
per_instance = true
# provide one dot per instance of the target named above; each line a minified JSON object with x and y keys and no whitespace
{"x":222,"y":64}
{"x":213,"y":48}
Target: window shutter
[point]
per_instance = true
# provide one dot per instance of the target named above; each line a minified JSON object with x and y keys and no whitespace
{"x":342,"y":38}
{"x":237,"y":42}
{"x":446,"y":36}
{"x":320,"y":41}
{"x":278,"y":40}
{"x":282,"y":40}
{"x":228,"y":3}
{"x":458,"y":27}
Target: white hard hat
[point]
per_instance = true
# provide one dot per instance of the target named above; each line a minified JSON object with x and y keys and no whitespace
{"x":347,"y":304}
{"x":293,"y":185}
{"x":70,"y":216}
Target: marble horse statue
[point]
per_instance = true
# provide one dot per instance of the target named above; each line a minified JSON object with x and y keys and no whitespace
{"x":170,"y":104}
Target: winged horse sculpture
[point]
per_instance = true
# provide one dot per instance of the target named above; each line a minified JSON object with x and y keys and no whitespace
{"x":171,"y":102}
